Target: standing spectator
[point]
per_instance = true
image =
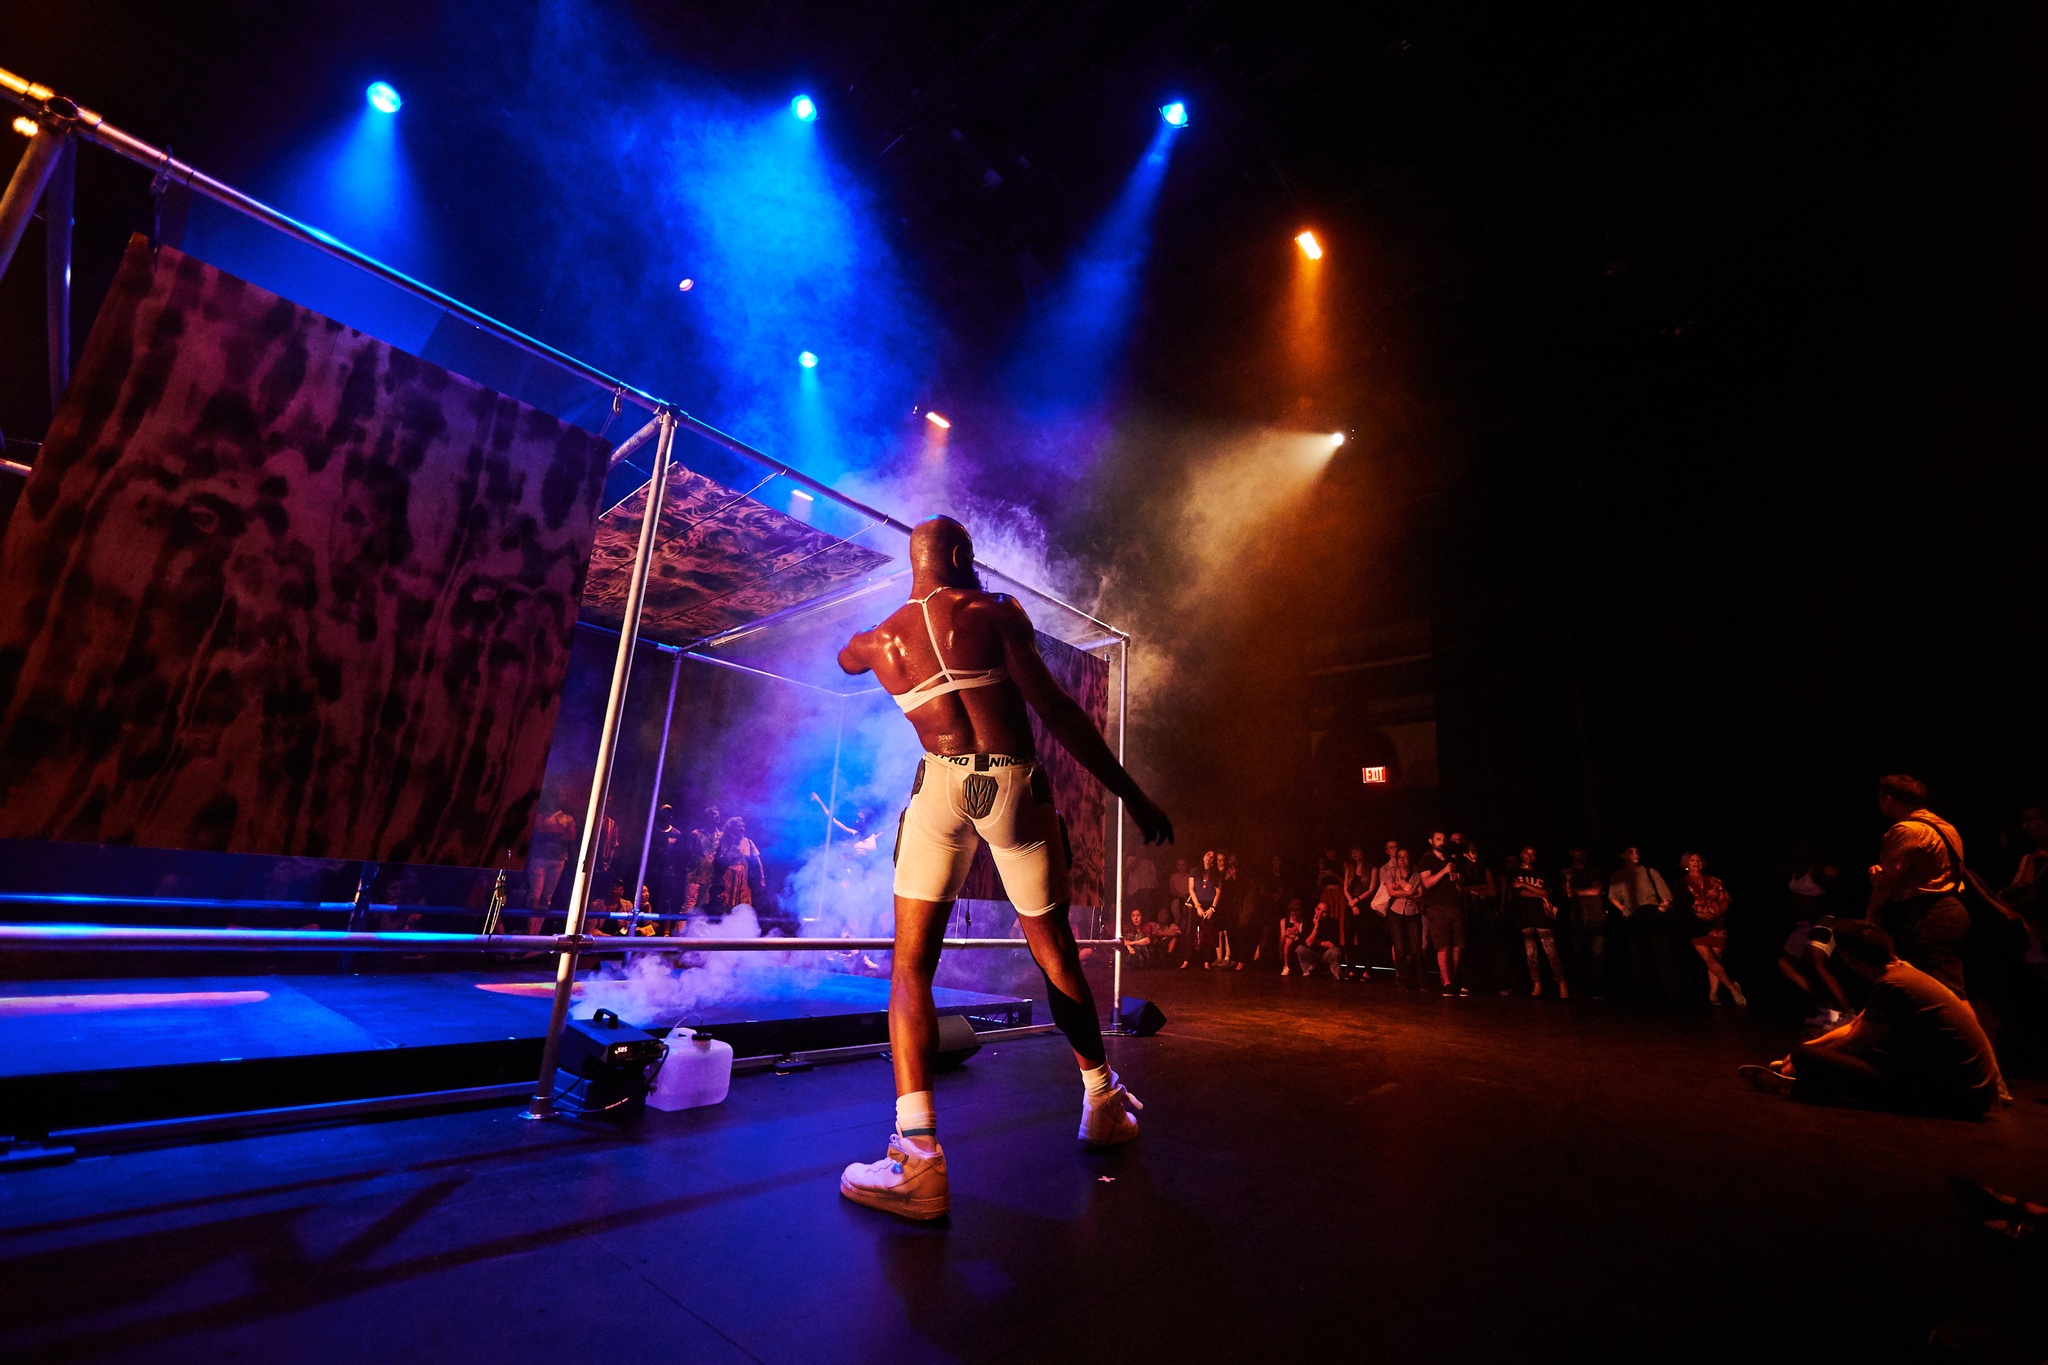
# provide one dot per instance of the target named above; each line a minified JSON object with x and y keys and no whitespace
{"x":1204,"y":891}
{"x":1403,"y":891}
{"x":1586,"y":894}
{"x":1177,"y":888}
{"x":1443,"y":909}
{"x":1644,"y":900}
{"x":736,"y":869}
{"x":1291,"y":930}
{"x":1916,"y":881}
{"x":1532,"y":910}
{"x":1382,"y":892}
{"x":1319,"y":944}
{"x":1242,"y":940}
{"x":554,"y":838}
{"x":1141,"y":884}
{"x":1329,"y":869}
{"x":1270,"y":897}
{"x":1709,"y":909}
{"x":694,"y":859}
{"x":1357,"y":888}
{"x":1481,"y":890}
{"x":2027,"y":892}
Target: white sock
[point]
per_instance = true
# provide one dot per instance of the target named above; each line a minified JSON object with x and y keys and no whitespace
{"x":1099,"y":1081}
{"x":916,"y":1119}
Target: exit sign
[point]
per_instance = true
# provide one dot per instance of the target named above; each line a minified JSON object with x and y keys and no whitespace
{"x":1374,"y":777}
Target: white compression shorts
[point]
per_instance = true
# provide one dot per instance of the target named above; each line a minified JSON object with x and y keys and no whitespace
{"x":958,"y":801}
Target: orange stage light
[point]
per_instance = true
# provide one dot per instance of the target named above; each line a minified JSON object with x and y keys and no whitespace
{"x":1310,"y":247}
{"x":937,"y":421}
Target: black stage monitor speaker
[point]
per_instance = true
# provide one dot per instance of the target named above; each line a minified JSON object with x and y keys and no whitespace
{"x":956,"y":1041}
{"x":1141,"y":1017}
{"x":604,"y":1066}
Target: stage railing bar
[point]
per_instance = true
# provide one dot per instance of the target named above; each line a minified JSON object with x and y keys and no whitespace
{"x":759,"y":672}
{"x":128,"y":938}
{"x":800,"y":610}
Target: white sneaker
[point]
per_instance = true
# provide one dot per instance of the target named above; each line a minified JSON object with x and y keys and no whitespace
{"x":909,"y":1182}
{"x":1108,"y":1120}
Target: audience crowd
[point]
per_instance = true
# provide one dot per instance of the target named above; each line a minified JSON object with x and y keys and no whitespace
{"x":1914,"y":990}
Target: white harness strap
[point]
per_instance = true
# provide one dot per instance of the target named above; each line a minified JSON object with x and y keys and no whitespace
{"x":946,"y":680}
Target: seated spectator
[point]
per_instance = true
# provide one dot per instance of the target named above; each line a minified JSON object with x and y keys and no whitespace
{"x":1291,"y":930}
{"x":1165,"y":932}
{"x":1319,"y":945}
{"x":1915,"y":1047}
{"x":1137,"y":939}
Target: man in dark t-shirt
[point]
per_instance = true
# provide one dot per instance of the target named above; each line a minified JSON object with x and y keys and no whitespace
{"x":1443,"y":909}
{"x":1916,"y":1045}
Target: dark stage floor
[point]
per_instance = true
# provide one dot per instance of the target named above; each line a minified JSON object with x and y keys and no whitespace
{"x":1341,"y":1170}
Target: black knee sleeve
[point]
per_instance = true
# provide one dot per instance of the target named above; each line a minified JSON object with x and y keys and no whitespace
{"x":1075,"y":1020}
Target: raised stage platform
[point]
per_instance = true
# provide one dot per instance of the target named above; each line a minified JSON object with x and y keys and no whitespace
{"x":79,"y":1054}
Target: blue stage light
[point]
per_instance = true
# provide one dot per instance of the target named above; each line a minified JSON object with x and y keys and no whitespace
{"x":383,"y":98}
{"x":805,"y":109}
{"x":1175,"y":114}
{"x":807,"y":360}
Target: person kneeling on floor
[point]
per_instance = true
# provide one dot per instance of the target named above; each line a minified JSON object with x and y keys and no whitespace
{"x":1916,"y":1046}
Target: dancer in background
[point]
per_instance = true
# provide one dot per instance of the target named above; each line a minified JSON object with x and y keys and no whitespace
{"x":1709,"y":926}
{"x":554,"y":843}
{"x":963,"y":664}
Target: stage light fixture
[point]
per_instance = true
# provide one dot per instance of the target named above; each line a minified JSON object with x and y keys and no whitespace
{"x":26,"y":126}
{"x":807,"y":360}
{"x":805,"y":109}
{"x":687,"y":285}
{"x":799,"y":494}
{"x":1175,"y":114}
{"x":383,"y":98}
{"x":1336,"y":439}
{"x":937,"y":421}
{"x":1310,"y":247}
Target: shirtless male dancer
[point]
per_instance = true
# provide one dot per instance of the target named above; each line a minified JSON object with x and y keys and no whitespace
{"x":963,"y":664}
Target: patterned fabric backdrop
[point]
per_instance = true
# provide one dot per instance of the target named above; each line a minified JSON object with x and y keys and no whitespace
{"x":276,"y":587}
{"x":1082,"y":802}
{"x":723,"y":560}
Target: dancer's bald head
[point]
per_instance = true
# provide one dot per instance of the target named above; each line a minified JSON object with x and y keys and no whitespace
{"x":943,"y":552}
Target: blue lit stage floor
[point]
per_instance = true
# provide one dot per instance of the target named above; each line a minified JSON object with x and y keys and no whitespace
{"x":77,"y":1053}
